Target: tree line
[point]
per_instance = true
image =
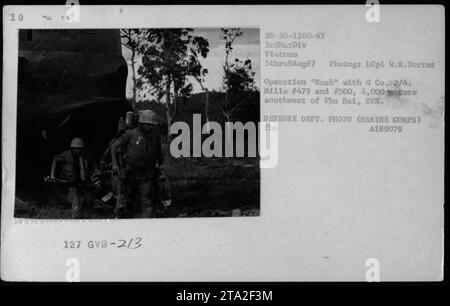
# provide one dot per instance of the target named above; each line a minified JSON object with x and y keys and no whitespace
{"x":163,"y":61}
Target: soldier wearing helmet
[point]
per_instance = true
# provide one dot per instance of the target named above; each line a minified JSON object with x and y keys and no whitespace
{"x":106,"y":161}
{"x":142,"y":156}
{"x":75,"y":165}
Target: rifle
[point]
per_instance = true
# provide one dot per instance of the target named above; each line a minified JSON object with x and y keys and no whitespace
{"x":47,"y":179}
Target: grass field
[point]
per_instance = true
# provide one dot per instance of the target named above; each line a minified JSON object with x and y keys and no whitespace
{"x":202,"y":187}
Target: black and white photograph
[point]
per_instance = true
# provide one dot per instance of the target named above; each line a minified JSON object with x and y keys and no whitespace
{"x":223,"y":143}
{"x":95,"y":112}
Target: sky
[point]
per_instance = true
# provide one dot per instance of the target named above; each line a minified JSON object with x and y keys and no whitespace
{"x":244,"y":47}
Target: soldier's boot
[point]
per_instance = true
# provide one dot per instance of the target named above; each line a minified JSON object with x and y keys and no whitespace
{"x":148,"y":212}
{"x":76,"y":204}
{"x":122,"y":205}
{"x":120,"y":213}
{"x":77,"y":214}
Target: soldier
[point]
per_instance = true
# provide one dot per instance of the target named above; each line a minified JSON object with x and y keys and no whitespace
{"x":77,"y":166}
{"x":142,"y":156}
{"x":106,"y":162}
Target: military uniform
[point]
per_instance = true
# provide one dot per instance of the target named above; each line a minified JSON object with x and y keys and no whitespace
{"x":77,"y":170}
{"x":142,"y":154}
{"x":106,"y":158}
{"x":106,"y":163}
